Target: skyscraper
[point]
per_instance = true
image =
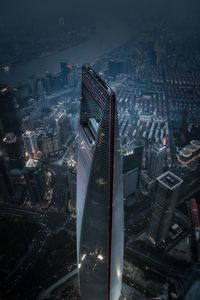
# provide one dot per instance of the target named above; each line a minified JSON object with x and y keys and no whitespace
{"x":132,"y":164}
{"x":9,"y":121}
{"x":166,"y":195}
{"x":12,"y":146}
{"x":156,"y":160}
{"x":34,"y":174}
{"x":30,"y":143}
{"x":71,"y":173}
{"x":5,"y":183}
{"x":99,"y":204}
{"x":65,"y":70}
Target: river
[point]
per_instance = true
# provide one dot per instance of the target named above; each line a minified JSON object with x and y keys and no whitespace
{"x":107,"y":37}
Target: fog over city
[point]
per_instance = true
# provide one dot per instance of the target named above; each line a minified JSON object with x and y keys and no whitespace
{"x":36,"y":13}
{"x":99,"y":149}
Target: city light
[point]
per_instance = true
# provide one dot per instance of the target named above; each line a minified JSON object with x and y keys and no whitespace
{"x":100,"y":257}
{"x":100,"y":161}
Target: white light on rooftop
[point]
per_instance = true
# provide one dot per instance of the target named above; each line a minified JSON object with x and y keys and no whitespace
{"x":31,"y":163}
{"x":100,"y":257}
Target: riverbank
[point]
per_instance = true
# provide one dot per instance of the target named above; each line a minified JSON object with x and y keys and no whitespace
{"x":108,"y":36}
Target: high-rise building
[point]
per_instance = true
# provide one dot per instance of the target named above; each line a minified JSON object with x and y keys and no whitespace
{"x":48,"y":83}
{"x":166,"y":196}
{"x":34,"y":174}
{"x":195,"y":218}
{"x":65,"y":70}
{"x":12,"y":146}
{"x":50,"y":142}
{"x":99,"y":207}
{"x":9,"y":121}
{"x":73,"y":76}
{"x":30,"y":143}
{"x":156,"y":160}
{"x":18,"y":181}
{"x":6,"y":191}
{"x":132,"y":164}
{"x":72,"y":183}
{"x":63,"y":126}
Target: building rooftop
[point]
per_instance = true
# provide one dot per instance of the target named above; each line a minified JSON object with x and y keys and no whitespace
{"x":31,"y":163}
{"x":195,"y":143}
{"x":159,"y":147}
{"x":170,"y":180}
{"x":128,"y":148}
{"x":28,"y":133}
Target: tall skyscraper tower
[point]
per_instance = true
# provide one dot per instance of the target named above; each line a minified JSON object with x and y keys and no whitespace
{"x":34,"y":174}
{"x":166,"y":195}
{"x":12,"y":146}
{"x":156,"y":160}
{"x":99,"y":207}
{"x":6,"y":191}
{"x":30,"y":143}
{"x":65,"y":70}
{"x":132,"y":165}
{"x":9,"y":121}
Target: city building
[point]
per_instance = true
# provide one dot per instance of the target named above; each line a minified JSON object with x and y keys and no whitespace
{"x":99,"y":207}
{"x":19,"y":186}
{"x":72,"y":177}
{"x":48,"y":83}
{"x":35,"y":178}
{"x":65,"y":70}
{"x":156,"y":160}
{"x":50,"y":142}
{"x":195,"y":218}
{"x":189,"y":153}
{"x":63,"y":126}
{"x":30,"y":143}
{"x":5,"y":183}
{"x":73,"y":76}
{"x":132,"y":164}
{"x":13,"y":150}
{"x":165,"y":199}
{"x":9,"y":121}
{"x":27,"y":123}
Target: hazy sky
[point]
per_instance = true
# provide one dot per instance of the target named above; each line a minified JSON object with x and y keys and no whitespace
{"x":79,"y":11}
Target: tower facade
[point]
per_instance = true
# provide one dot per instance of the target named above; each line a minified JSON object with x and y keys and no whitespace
{"x":9,"y":121}
{"x":99,"y":207}
{"x":6,"y":191}
{"x":12,"y":146}
{"x":30,"y":143}
{"x":65,"y":70}
{"x":166,"y":196}
{"x":34,"y":174}
{"x":156,"y":160}
{"x":132,"y":165}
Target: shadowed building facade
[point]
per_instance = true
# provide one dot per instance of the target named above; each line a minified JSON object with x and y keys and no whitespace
{"x":166,"y":196}
{"x":99,"y":207}
{"x":156,"y":160}
{"x":9,"y":120}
